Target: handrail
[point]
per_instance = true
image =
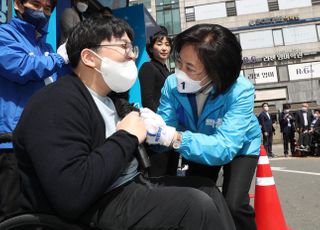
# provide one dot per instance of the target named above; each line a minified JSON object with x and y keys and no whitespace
{"x":5,"y":137}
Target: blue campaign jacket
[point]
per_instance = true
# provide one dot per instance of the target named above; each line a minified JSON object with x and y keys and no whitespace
{"x":227,"y":126}
{"x":24,"y":64}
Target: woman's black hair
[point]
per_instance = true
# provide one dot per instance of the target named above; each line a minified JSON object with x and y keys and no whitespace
{"x":91,"y":32}
{"x":53,"y":3}
{"x":218,"y":49}
{"x":158,"y":36}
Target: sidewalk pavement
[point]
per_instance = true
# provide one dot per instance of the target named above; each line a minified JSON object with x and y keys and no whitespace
{"x":277,"y":150}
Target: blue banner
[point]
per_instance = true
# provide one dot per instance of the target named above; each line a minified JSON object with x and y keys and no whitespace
{"x":4,"y":11}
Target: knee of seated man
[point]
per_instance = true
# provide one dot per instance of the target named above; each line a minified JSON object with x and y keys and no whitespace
{"x":199,"y":200}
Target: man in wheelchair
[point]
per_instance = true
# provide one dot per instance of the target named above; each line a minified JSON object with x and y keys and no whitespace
{"x":312,"y":142}
{"x":78,"y":160}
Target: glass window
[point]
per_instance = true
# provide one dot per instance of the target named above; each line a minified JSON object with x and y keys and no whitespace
{"x":277,"y":37}
{"x":292,"y":4}
{"x":176,"y":21}
{"x":256,"y":39}
{"x":160,"y":18}
{"x":168,"y":15}
{"x":300,"y":34}
{"x":318,"y":29}
{"x":168,"y":21}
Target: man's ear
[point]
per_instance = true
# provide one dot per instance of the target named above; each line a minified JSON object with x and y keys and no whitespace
{"x":18,"y":6}
{"x":89,"y":58}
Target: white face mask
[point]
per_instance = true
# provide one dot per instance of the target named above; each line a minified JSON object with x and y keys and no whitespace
{"x":82,"y":7}
{"x":119,"y":76}
{"x":186,"y":85}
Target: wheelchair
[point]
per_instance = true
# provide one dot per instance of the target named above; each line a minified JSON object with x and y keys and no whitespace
{"x":36,"y":221}
{"x":315,"y":144}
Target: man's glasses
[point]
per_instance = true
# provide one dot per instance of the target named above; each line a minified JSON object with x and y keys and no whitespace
{"x":128,"y":48}
{"x":40,"y":4}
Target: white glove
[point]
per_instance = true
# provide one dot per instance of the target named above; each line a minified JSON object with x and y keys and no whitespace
{"x":62,"y":51}
{"x":148,"y":114}
{"x":157,"y":130}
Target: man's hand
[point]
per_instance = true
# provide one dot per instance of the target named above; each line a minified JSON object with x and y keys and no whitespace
{"x":62,"y":51}
{"x":133,"y":124}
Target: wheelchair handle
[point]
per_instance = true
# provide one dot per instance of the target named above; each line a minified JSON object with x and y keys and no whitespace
{"x":5,"y":137}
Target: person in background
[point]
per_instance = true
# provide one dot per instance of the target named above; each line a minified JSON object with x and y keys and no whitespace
{"x":106,"y":11}
{"x":315,"y":124}
{"x":207,"y":112}
{"x":315,"y":132}
{"x":287,"y":127}
{"x":267,"y":128}
{"x":71,"y":17}
{"x":303,"y":121}
{"x":152,"y":76}
{"x":27,"y":64}
{"x":78,"y":160}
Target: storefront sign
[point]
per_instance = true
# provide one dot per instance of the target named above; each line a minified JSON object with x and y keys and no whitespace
{"x":273,"y":20}
{"x":286,"y":55}
{"x":4,"y":11}
{"x":304,"y":71}
{"x":294,"y":54}
{"x":264,"y":75}
{"x":271,"y":94}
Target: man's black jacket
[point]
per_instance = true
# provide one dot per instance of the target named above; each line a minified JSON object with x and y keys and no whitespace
{"x":65,"y":160}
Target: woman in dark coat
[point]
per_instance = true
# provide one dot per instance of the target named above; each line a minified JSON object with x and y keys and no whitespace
{"x":152,"y":76}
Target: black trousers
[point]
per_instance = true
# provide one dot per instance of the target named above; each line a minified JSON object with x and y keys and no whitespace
{"x":288,"y":138}
{"x":162,"y":203}
{"x":9,"y":183}
{"x":267,"y":142}
{"x":237,"y":177}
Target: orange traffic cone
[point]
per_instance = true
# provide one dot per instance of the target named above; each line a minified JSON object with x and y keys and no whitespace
{"x":267,"y":207}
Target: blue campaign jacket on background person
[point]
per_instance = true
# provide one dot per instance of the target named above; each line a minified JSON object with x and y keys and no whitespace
{"x":25,"y":63}
{"x":227,"y":126}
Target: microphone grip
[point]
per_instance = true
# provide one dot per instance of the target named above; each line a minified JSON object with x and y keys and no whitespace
{"x":143,"y":157}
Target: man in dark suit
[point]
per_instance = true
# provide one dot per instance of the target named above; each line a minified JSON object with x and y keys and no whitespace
{"x":303,"y":121}
{"x":267,"y":128}
{"x":287,"y":127}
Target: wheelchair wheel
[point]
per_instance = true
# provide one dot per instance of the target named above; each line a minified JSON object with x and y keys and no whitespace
{"x":37,"y":222}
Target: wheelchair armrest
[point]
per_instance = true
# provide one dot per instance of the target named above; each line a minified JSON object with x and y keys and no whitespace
{"x":5,"y":137}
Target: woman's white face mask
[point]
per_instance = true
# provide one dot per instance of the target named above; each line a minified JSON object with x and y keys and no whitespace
{"x":119,"y":76}
{"x":186,"y":85}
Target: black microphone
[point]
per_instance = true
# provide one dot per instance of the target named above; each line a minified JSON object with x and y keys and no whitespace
{"x":123,"y":107}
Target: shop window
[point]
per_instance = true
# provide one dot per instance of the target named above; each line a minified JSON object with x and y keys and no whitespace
{"x":277,"y":37}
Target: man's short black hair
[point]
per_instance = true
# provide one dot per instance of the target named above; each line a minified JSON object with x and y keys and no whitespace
{"x":91,"y":32}
{"x":217,"y":48}
{"x":264,"y":103}
{"x":286,"y":106}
